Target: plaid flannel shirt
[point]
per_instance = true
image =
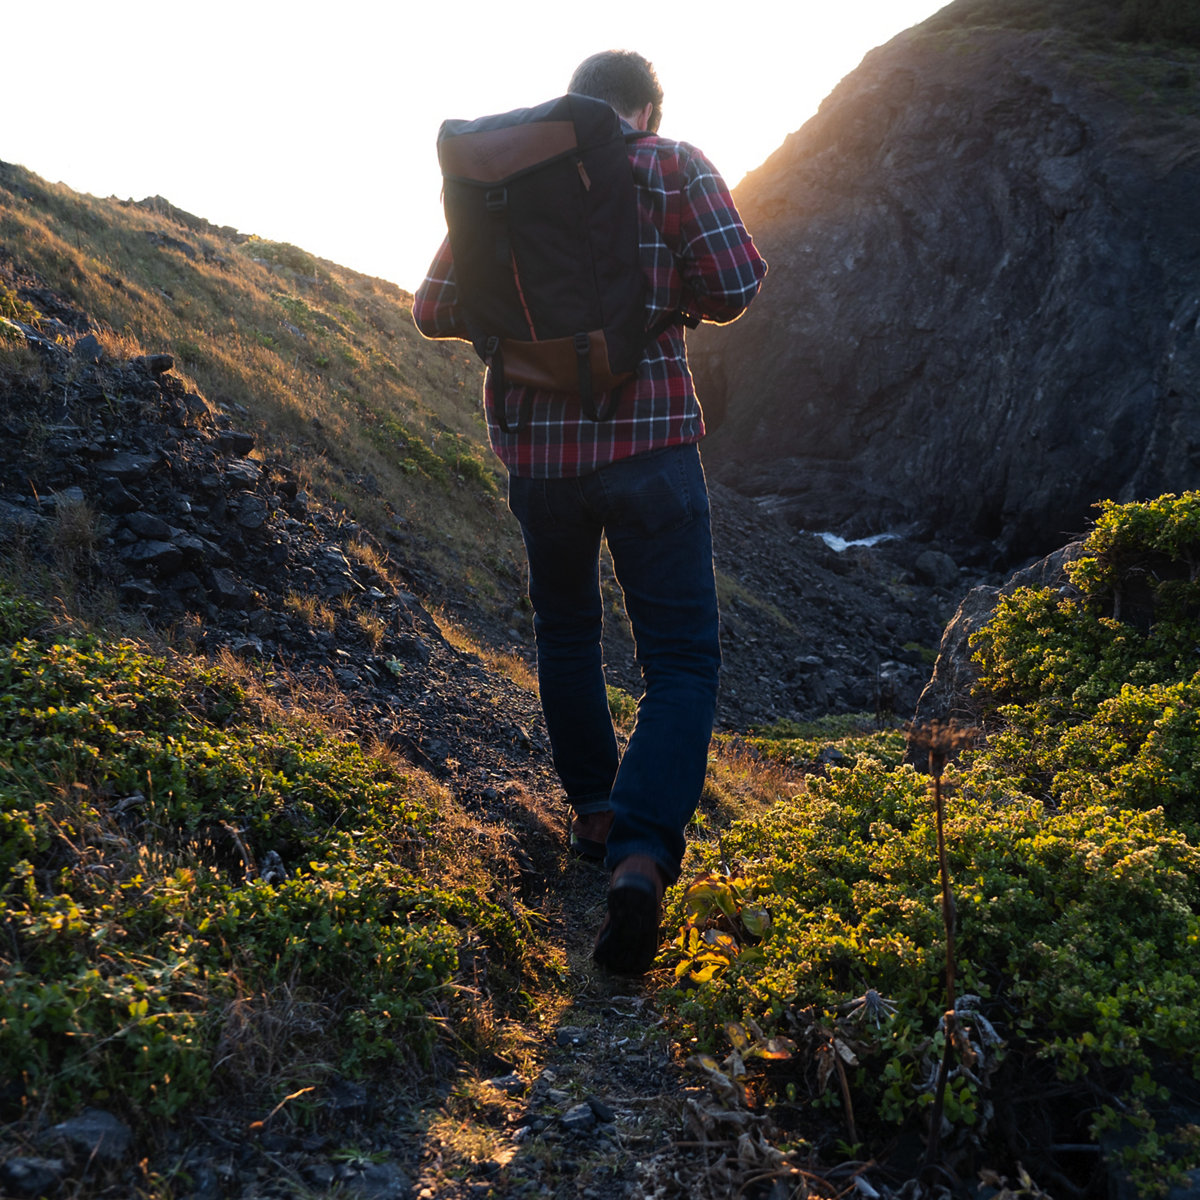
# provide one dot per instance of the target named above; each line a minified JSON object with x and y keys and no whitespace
{"x":697,"y":256}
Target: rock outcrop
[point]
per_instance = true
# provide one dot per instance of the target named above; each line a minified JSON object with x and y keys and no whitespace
{"x":150,"y":490}
{"x":947,"y":695}
{"x":983,"y":306}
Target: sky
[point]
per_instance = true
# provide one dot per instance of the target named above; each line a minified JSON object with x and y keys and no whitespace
{"x":316,"y":124}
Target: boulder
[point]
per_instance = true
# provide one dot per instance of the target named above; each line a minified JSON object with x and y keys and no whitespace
{"x":947,"y":695}
{"x":94,"y":1133}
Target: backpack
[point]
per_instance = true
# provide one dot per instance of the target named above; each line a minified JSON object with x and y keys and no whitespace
{"x":543,"y":222}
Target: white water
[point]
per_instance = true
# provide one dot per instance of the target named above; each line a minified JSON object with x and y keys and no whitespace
{"x":834,"y":542}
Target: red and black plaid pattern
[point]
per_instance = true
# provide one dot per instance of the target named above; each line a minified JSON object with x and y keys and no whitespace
{"x":697,"y":256}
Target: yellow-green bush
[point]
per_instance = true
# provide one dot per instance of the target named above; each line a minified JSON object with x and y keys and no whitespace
{"x":1073,"y":847}
{"x":167,"y":851}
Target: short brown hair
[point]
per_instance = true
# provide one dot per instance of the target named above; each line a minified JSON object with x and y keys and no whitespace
{"x":623,"y":79}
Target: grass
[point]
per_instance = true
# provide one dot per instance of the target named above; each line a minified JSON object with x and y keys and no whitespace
{"x":205,"y":894}
{"x":508,"y":663}
{"x":326,"y":358}
{"x":840,"y":739}
{"x":1143,"y":53}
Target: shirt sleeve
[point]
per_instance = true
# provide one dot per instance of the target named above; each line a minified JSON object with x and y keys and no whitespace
{"x":436,"y":310}
{"x":720,"y":268}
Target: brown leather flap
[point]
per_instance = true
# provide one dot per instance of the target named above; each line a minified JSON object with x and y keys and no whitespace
{"x":554,"y":365}
{"x":492,"y":155}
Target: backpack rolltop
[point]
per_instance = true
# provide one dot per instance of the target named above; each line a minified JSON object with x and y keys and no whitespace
{"x":543,"y":222}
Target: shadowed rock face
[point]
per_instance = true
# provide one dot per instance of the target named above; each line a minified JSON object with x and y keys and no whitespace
{"x":983,"y":306}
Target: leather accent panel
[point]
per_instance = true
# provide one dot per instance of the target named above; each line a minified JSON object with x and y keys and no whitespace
{"x":553,"y":364}
{"x":494,"y":155}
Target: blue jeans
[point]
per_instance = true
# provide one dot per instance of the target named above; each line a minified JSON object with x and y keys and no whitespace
{"x":653,"y":511}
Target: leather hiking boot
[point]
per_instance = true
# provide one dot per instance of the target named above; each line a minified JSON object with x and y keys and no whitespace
{"x":588,"y":836}
{"x":628,"y":938}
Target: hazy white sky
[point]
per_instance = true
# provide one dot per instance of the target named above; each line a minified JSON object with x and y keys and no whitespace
{"x":316,"y":124}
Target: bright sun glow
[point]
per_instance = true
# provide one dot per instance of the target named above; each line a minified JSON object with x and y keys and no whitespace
{"x":316,"y":124}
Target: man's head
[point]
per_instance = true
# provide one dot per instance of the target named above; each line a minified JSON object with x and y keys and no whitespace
{"x":626,"y":81}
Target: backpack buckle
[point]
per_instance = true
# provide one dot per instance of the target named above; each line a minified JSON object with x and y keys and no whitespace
{"x":496,"y":199}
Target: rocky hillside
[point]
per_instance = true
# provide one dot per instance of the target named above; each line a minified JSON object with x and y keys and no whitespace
{"x":137,"y":501}
{"x":254,"y":392}
{"x":982,"y":309}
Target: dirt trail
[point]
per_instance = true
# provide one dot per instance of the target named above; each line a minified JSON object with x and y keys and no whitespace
{"x":591,"y":1103}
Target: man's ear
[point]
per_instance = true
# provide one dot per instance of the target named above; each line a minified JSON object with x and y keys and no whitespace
{"x":641,"y":120}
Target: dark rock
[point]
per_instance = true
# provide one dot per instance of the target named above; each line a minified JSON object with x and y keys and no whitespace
{"x":242,"y":473}
{"x":511,"y":1085}
{"x":947,"y":695}
{"x":127,"y":467}
{"x":227,"y":590}
{"x":603,"y":1113}
{"x":88,"y":349}
{"x":138,"y":591}
{"x":579,"y":1119}
{"x":116,"y":499}
{"x":373,"y":1181}
{"x":414,"y":649}
{"x":198,"y":550}
{"x":272,"y":869}
{"x":205,"y":1182}
{"x":70,"y":497}
{"x":166,"y":242}
{"x":156,"y":364}
{"x":263,"y":623}
{"x":94,"y":1132}
{"x":160,"y":558}
{"x":187,"y":581}
{"x":937,"y":569}
{"x":938,"y":345}
{"x":230,"y":441}
{"x":320,"y":1174}
{"x":347,"y":1098}
{"x":252,"y":512}
{"x":147,"y":525}
{"x":24,"y":1176}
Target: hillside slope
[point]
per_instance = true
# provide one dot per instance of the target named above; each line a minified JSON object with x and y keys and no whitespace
{"x":321,"y":372}
{"x":370,"y":414}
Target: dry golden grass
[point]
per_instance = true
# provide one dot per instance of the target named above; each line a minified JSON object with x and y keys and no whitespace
{"x":504,"y":662}
{"x":382,"y":421}
{"x":372,"y":628}
{"x":313,"y":611}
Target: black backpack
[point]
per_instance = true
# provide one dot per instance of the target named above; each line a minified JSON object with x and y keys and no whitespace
{"x":543,"y":220}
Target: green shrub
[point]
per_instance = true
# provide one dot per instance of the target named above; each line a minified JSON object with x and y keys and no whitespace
{"x":165,"y":853}
{"x":839,"y":739}
{"x":814,"y":937}
{"x":14,"y":308}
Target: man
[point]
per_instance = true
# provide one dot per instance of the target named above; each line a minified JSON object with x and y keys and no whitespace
{"x":635,"y":480}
